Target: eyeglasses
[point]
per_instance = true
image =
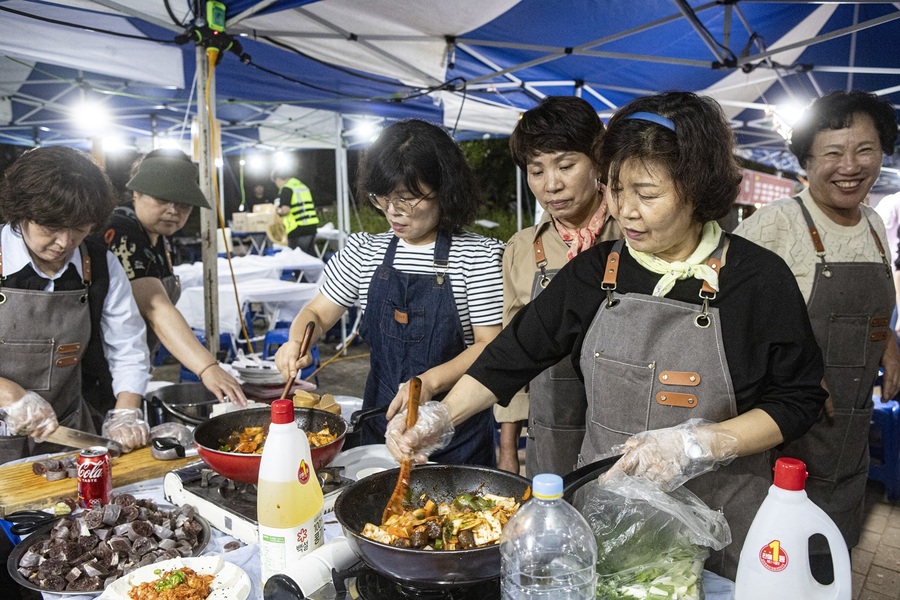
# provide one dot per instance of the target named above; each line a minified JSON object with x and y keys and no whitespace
{"x":402,"y":205}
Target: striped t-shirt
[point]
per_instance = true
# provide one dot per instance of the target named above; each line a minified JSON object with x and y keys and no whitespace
{"x":475,"y":270}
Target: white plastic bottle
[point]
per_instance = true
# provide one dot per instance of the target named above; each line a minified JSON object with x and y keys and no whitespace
{"x":289,"y":498}
{"x":547,"y":549}
{"x":774,"y":561}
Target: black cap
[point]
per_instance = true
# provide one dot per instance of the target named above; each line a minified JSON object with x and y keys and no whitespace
{"x":169,"y":178}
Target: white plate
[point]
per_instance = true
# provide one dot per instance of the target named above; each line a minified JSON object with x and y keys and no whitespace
{"x":231,"y":582}
{"x":363,"y":461}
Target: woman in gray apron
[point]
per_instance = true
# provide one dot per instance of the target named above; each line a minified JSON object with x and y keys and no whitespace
{"x":430,"y":292}
{"x":836,"y":247}
{"x":552,"y":145}
{"x":694,"y":346}
{"x":50,"y":200}
{"x":165,"y":192}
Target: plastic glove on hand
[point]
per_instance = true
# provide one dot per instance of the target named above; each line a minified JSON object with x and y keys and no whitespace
{"x":433,"y":430}
{"x":128,"y":427}
{"x":30,"y":415}
{"x":669,"y":457}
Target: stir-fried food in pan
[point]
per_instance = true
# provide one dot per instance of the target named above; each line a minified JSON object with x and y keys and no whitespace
{"x":250,"y":440}
{"x":469,"y":521}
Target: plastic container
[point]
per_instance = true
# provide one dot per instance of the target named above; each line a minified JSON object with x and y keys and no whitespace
{"x":289,"y":498}
{"x":547,"y":549}
{"x":774,"y":561}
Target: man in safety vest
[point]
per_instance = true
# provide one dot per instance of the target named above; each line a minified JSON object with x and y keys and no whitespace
{"x":298,"y":212}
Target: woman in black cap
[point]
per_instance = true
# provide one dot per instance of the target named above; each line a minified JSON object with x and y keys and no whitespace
{"x":165,"y":191}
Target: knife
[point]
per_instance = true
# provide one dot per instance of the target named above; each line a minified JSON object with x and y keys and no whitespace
{"x":66,"y":436}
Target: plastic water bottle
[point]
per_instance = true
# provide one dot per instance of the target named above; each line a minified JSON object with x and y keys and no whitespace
{"x":547,"y":549}
{"x":289,"y":498}
{"x":774,"y":561}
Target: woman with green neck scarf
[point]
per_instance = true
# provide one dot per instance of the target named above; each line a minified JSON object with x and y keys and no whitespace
{"x":694,"y":345}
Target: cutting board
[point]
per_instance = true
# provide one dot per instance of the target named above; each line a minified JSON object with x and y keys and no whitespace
{"x":21,"y":489}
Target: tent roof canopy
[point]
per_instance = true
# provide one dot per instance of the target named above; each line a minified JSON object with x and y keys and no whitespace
{"x":472,"y":65}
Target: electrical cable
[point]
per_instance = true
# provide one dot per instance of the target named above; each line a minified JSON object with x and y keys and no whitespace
{"x":297,"y":81}
{"x":459,"y":112}
{"x":336,"y":357}
{"x":245,"y":58}
{"x":172,"y":16}
{"x":84,"y":27}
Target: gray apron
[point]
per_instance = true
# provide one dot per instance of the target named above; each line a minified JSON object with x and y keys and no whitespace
{"x":651,"y":363}
{"x":172,"y":285}
{"x":555,"y":429}
{"x":43,"y":336}
{"x":850,"y":310}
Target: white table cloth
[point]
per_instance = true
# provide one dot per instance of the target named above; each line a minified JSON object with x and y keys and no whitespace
{"x":282,"y":300}
{"x":254,"y":266}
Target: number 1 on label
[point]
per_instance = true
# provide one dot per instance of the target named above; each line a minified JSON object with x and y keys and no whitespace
{"x":775,"y":545}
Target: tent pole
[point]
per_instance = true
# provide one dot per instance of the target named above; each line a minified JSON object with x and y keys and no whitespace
{"x":208,"y":223}
{"x":343,"y":212}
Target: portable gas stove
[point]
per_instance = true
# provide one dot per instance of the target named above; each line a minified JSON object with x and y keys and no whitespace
{"x":361,"y":581}
{"x":333,"y":573}
{"x":230,"y":506}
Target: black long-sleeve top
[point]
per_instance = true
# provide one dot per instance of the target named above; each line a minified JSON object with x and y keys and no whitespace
{"x":772,"y":354}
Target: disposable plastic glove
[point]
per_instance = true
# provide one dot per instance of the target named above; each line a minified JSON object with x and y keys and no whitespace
{"x":669,"y":457}
{"x":126,"y":426}
{"x":30,"y":415}
{"x":433,"y":430}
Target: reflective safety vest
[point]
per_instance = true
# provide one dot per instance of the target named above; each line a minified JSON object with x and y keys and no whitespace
{"x":303,"y":210}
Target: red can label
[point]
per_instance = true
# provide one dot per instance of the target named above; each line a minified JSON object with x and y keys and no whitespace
{"x":94,"y":477}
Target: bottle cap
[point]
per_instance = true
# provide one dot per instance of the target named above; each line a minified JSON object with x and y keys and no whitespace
{"x":547,"y":486}
{"x":282,"y":412}
{"x":790,"y":474}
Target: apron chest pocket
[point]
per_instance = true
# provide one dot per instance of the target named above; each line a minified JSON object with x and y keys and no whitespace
{"x":406,"y":324}
{"x":28,"y":363}
{"x":848,"y":337}
{"x":613,"y":381}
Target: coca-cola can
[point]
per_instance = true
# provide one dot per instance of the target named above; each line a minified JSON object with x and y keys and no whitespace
{"x":94,"y":477}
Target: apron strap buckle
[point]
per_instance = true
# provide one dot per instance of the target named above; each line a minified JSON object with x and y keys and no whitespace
{"x":440,"y":269}
{"x":702,"y":320}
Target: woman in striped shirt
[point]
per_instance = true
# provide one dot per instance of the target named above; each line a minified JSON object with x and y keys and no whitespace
{"x":431,"y":293}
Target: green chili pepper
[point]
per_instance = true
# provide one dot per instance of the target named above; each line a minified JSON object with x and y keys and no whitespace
{"x":170,"y":581}
{"x":463,"y":501}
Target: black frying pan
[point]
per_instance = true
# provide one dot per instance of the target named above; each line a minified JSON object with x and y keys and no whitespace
{"x":364,"y":502}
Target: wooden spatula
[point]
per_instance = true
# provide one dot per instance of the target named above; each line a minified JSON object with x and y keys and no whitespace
{"x":395,"y":504}
{"x":304,"y":348}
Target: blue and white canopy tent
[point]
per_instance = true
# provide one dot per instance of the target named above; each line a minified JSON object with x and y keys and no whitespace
{"x":472,"y":65}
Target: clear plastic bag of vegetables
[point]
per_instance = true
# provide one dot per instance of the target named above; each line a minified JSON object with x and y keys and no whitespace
{"x":650,"y":544}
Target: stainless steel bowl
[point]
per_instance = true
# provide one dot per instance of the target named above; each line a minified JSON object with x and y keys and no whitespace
{"x":186,"y":403}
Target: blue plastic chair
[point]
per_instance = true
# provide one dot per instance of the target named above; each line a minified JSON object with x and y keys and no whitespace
{"x":225,"y":344}
{"x":278,"y":336}
{"x":884,"y":446}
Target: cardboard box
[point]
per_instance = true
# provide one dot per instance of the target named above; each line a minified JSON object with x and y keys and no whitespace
{"x":264,"y":208}
{"x":252,"y":221}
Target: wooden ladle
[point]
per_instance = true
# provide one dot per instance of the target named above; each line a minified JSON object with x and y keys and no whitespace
{"x":395,"y":504}
{"x":304,"y":348}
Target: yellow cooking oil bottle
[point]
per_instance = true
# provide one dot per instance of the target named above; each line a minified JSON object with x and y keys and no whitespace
{"x":774,"y":560}
{"x":289,"y":498}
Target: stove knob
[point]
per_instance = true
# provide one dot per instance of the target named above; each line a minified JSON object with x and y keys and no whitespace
{"x":281,"y":587}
